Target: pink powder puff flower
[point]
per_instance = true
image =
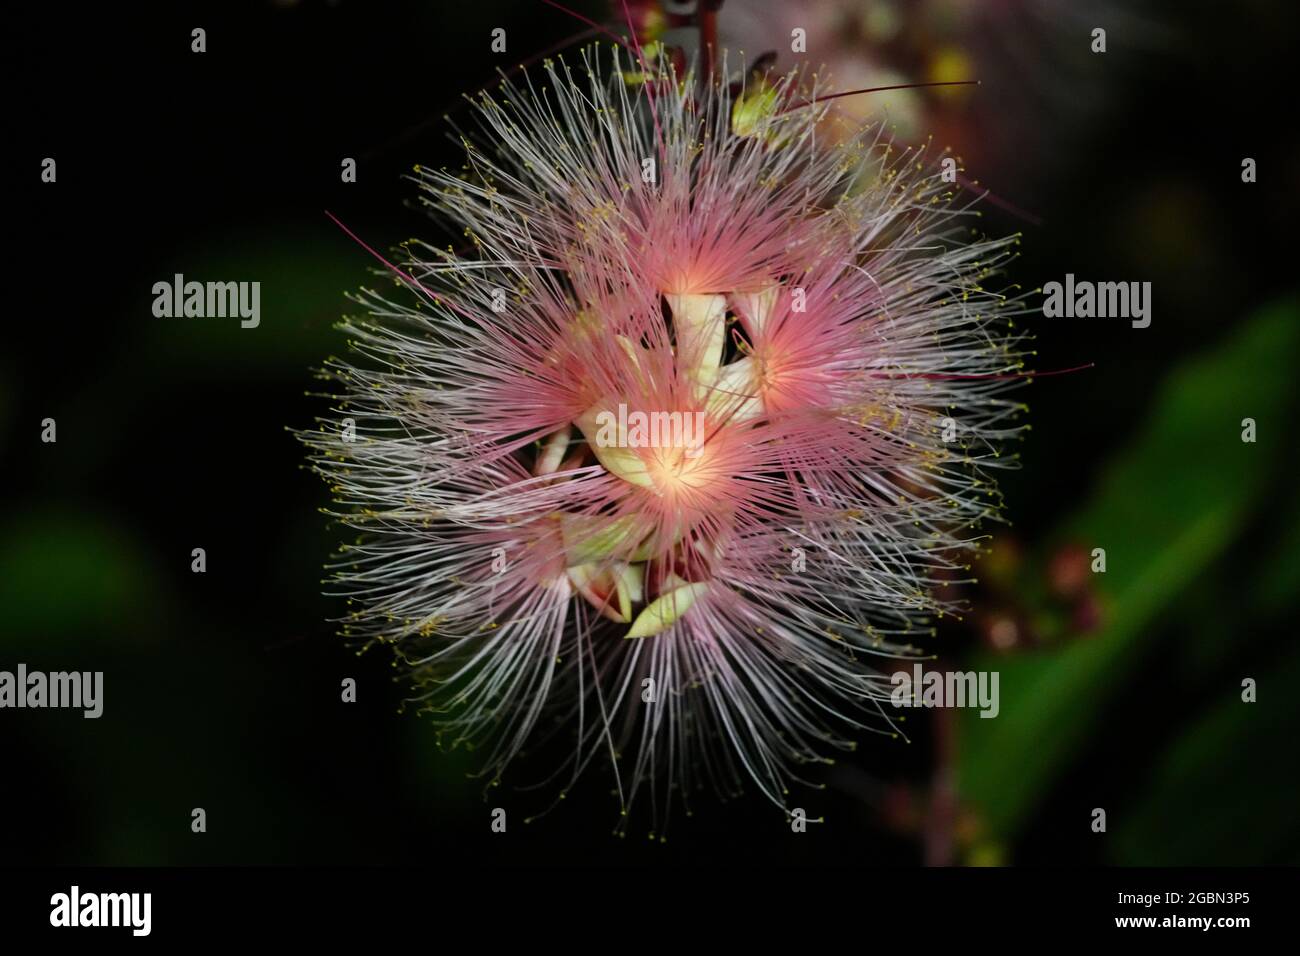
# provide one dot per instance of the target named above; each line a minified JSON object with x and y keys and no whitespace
{"x":682,"y":445}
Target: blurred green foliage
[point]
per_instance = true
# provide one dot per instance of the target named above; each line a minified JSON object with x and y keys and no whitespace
{"x":71,"y":575}
{"x":1166,"y":508}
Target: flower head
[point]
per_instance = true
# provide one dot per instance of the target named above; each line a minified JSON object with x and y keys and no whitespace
{"x":662,"y":460}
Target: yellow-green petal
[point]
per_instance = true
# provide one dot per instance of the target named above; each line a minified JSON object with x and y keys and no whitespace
{"x":665,"y":610}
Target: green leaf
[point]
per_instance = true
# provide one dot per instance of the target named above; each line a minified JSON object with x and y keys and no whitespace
{"x":1210,"y":799}
{"x":73,"y":575}
{"x":304,"y":280}
{"x":1163,"y":510}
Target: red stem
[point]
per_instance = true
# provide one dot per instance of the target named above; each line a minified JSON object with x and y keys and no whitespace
{"x":941,"y":816}
{"x":708,"y":18}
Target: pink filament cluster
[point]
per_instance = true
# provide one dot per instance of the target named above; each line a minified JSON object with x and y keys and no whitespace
{"x":680,"y":614}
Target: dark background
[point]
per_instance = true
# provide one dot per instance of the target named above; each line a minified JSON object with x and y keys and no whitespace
{"x":222,"y":689}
